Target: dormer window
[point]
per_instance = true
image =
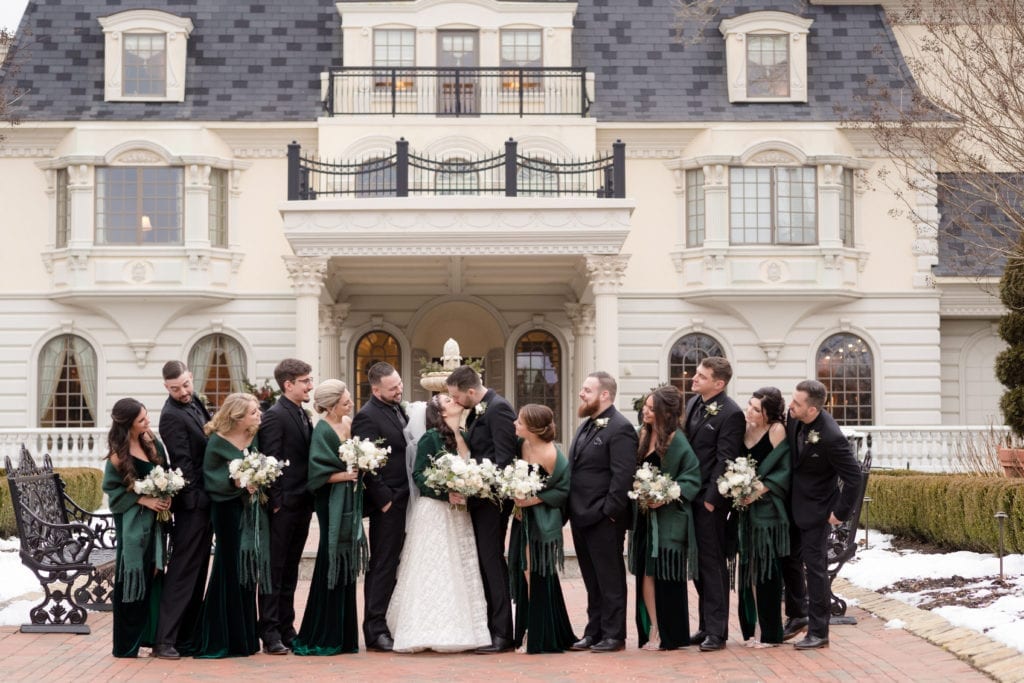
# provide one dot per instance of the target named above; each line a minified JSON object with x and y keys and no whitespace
{"x":766,"y":57}
{"x":144,"y":57}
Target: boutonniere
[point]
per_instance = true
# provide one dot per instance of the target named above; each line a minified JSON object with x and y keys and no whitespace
{"x":202,"y":399}
{"x":480,"y":408}
{"x":812,"y":437}
{"x":601,"y":422}
{"x":404,"y":405}
{"x":711,"y":409}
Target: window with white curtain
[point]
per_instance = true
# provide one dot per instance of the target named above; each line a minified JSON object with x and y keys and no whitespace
{"x":67,"y":383}
{"x":218,"y":367}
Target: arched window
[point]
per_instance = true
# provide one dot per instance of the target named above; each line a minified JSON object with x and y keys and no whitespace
{"x":536,"y":178}
{"x":376,"y":178}
{"x":457,"y":176}
{"x":686,"y":355}
{"x":67,"y":383}
{"x":845,"y":366}
{"x":538,"y":368}
{"x":218,"y":367}
{"x":374,"y":347}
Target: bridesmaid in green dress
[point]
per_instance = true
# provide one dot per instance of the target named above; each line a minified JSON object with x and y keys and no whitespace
{"x":662,"y":544}
{"x":535,"y":547}
{"x":227,"y":627}
{"x":330,"y":625}
{"x":134,"y":451}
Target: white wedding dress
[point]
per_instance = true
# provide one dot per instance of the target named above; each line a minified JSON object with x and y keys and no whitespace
{"x":438,"y":603}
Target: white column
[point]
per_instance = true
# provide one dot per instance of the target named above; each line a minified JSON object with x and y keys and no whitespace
{"x":582,"y":318}
{"x":82,"y":212}
{"x":307,"y":276}
{"x":606,"y":273}
{"x":331,"y":319}
{"x":197,"y":206}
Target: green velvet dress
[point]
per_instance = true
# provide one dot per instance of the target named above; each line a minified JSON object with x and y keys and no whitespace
{"x":662,"y":544}
{"x":227,"y":626}
{"x":330,"y":625}
{"x":135,"y":619}
{"x":541,"y":615}
{"x":763,"y":539}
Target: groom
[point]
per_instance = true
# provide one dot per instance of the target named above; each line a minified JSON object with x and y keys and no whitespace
{"x":491,"y":434}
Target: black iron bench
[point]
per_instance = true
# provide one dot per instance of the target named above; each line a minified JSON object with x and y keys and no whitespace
{"x":842,"y":541}
{"x":70,"y":550}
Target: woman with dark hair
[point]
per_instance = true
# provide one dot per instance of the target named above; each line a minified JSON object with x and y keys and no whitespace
{"x":227,"y":627}
{"x":134,"y":452}
{"x":763,"y":523}
{"x":438,"y":603}
{"x":662,"y":543}
{"x":330,"y":625}
{"x":535,"y":552}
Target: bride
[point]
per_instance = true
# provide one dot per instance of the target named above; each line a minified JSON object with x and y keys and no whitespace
{"x":439,"y":602}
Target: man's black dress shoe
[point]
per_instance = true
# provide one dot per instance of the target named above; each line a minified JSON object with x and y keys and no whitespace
{"x":698,"y":637}
{"x":608,"y":645}
{"x":165,"y":652}
{"x":275,"y":648}
{"x":811,"y":643}
{"x":583,"y":643}
{"x":794,"y":627}
{"x":497,"y":645}
{"x":712,"y":643}
{"x":384,"y":643}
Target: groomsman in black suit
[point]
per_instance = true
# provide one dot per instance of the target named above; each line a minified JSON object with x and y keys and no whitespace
{"x":490,"y":434}
{"x":387,"y":497}
{"x":714,"y":427}
{"x":822,"y":457}
{"x":181,"y":429}
{"x":285,"y":433}
{"x":602,"y":461}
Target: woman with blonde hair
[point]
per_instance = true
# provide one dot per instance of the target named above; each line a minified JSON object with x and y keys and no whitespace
{"x":330,"y":625}
{"x":227,"y":627}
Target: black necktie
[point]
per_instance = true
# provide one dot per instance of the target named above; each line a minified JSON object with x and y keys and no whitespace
{"x":800,"y":440}
{"x":402,"y":420}
{"x":695,"y":416}
{"x":197,"y":412}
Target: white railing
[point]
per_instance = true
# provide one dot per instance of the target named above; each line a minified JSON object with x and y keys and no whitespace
{"x":934,"y":448}
{"x":67,"y":447}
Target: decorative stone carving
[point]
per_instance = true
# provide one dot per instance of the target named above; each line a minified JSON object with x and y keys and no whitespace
{"x":773,"y":158}
{"x":306,"y":273}
{"x":773,"y":271}
{"x":606,"y":272}
{"x":582,"y":318}
{"x":141,"y":349}
{"x":771,"y":351}
{"x":137,"y":157}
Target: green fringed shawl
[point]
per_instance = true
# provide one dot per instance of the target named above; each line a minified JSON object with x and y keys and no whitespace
{"x":764,"y":525}
{"x":671,"y":539}
{"x":541,"y":528}
{"x":138,"y":528}
{"x":346,"y":542}
{"x":429,"y":445}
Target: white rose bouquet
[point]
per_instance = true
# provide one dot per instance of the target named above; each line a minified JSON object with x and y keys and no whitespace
{"x":739,"y":481}
{"x":651,"y":486}
{"x":520,"y":480}
{"x":363,"y":455}
{"x":449,"y":472}
{"x":160,"y":483}
{"x":257,"y":470}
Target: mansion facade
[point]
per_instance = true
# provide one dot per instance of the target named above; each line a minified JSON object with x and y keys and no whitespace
{"x":559,"y":186}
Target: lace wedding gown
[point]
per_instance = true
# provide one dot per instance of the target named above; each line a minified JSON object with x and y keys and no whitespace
{"x":439,"y":602}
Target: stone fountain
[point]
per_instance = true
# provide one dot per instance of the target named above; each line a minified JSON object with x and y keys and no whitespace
{"x":451,"y":358}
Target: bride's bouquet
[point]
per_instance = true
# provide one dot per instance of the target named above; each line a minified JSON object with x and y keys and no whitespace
{"x":449,"y":472}
{"x":161,"y":483}
{"x":256,"y":469}
{"x":739,"y":481}
{"x":651,"y":486}
{"x":363,"y":455}
{"x":520,"y":480}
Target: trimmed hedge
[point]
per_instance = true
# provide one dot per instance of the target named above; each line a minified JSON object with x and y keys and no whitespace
{"x":83,"y":485}
{"x":953,"y":511}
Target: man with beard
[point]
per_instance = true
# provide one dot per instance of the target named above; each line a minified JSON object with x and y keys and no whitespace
{"x":181,"y":430}
{"x":602,"y":459}
{"x":381,"y":419}
{"x":285,"y":433}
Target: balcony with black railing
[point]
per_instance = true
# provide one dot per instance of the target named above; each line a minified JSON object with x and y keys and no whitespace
{"x":405,"y":173}
{"x":458,"y":91}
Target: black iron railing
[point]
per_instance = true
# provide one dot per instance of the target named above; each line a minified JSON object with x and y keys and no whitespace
{"x":461,"y":91}
{"x":405,"y":174}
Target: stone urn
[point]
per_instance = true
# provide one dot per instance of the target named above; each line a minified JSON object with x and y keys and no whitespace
{"x":451,"y":358}
{"x":1012,"y":460}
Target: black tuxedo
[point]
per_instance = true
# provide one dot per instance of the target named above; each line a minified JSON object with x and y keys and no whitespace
{"x":715,"y":430}
{"x":380,"y":420}
{"x":491,"y":434}
{"x":181,"y":430}
{"x":821,"y":457}
{"x":602,"y":463}
{"x":285,"y":433}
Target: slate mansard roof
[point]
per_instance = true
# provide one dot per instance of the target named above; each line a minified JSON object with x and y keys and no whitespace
{"x":260,"y":60}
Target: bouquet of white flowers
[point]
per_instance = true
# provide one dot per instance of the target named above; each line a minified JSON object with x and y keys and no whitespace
{"x":651,"y":486}
{"x":256,"y":469}
{"x":739,"y":480}
{"x":450,"y":472}
{"x":161,"y":483}
{"x":520,"y":480}
{"x":363,"y":455}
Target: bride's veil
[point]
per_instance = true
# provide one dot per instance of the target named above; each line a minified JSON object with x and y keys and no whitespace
{"x":417,"y":413}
